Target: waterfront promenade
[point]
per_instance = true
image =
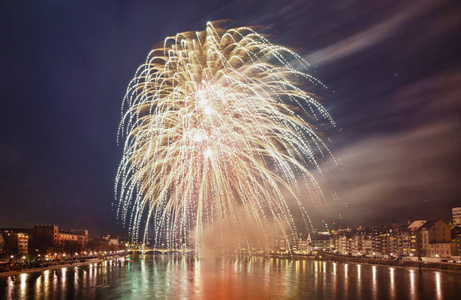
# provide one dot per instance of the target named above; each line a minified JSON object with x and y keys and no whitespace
{"x":445,"y":266}
{"x":63,"y":264}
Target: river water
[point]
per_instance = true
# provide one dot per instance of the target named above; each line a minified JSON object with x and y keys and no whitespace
{"x":165,"y":277}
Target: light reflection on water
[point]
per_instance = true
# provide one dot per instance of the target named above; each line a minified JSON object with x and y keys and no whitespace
{"x":255,"y":278}
{"x":412,"y":284}
{"x":438,"y":285}
{"x":392,"y":281}
{"x":359,"y":279}
{"x":23,"y":285}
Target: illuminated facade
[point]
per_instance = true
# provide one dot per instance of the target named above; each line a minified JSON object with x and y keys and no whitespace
{"x":2,"y":242}
{"x":418,"y":239}
{"x":318,"y":242}
{"x":415,"y":237}
{"x":457,"y":238}
{"x":427,"y":238}
{"x":49,"y":238}
{"x":456,"y":216}
{"x":15,"y":242}
{"x":441,"y":249}
{"x":23,"y":243}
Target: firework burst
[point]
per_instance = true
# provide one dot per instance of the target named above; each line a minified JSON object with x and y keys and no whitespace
{"x":218,"y":127}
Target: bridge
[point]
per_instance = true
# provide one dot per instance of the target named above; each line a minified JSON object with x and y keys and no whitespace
{"x":161,"y":251}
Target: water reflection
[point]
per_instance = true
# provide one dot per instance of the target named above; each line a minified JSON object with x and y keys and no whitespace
{"x":46,"y":283}
{"x":392,"y":281}
{"x":23,"y":278}
{"x":334,"y":279}
{"x":346,"y":284}
{"x":198,"y":278}
{"x":38,"y":285}
{"x":412,"y":284}
{"x":10,"y":287}
{"x":55,"y":282}
{"x":438,"y":285}
{"x":63,"y":276}
{"x":359,"y":271}
{"x":359,"y":279}
{"x":251,"y":278}
{"x":374,"y":284}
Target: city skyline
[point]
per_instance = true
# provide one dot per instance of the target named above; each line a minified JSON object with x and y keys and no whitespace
{"x":454,"y":216}
{"x":391,"y":72}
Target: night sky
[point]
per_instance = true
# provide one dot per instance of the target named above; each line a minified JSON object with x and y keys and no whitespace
{"x":392,"y":68}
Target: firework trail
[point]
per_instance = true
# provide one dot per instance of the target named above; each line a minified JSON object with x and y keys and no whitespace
{"x":218,"y":127}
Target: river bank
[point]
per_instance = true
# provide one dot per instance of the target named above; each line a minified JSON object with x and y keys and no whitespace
{"x":393,"y":262}
{"x":32,"y":270}
{"x":436,"y":266}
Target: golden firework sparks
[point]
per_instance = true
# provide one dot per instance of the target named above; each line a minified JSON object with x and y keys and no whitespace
{"x":217,"y":125}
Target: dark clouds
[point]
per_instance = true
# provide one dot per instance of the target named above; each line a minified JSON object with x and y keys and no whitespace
{"x":410,"y":173}
{"x":390,"y":22}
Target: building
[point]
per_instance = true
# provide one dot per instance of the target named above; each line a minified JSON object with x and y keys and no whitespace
{"x":73,"y":236}
{"x":357,"y":244}
{"x":23,"y":243}
{"x":46,"y":238}
{"x":282,"y":245}
{"x":302,"y":247}
{"x":434,"y":232}
{"x":415,"y":238}
{"x":441,"y":249}
{"x":2,"y":242}
{"x":456,"y":216}
{"x":15,"y":243}
{"x":112,"y":239}
{"x":367,"y":245}
{"x":334,"y":243}
{"x":345,"y":243}
{"x":105,"y":237}
{"x":50,"y":238}
{"x":427,"y":238}
{"x":456,"y":236}
{"x":318,"y":242}
{"x":405,"y":238}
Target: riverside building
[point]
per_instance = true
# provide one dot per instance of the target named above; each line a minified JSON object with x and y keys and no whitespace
{"x":456,"y":211}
